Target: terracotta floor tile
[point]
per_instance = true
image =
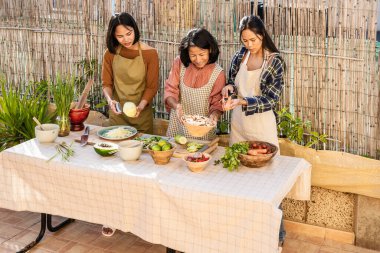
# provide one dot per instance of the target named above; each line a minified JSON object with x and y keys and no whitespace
{"x":5,"y":250}
{"x":52,"y":243}
{"x":8,"y":231}
{"x":40,"y":250}
{"x":74,"y":247}
{"x":84,"y":237}
{"x":156,"y":248}
{"x":2,"y":239}
{"x":123,"y":243}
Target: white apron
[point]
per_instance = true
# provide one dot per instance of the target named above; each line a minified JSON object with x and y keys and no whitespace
{"x":256,"y":127}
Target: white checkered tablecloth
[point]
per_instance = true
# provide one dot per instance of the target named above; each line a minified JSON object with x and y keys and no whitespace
{"x":212,"y":211}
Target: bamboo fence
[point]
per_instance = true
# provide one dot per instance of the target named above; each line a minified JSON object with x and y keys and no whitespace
{"x":332,"y":75}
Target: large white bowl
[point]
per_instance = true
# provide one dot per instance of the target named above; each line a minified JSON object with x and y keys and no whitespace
{"x":130,"y":150}
{"x":49,"y":134}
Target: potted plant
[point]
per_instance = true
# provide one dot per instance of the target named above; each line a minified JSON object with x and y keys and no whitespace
{"x":63,"y":93}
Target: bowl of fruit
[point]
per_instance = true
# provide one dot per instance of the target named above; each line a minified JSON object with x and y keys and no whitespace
{"x":197,"y":162}
{"x":161,"y":151}
{"x":259,"y":153}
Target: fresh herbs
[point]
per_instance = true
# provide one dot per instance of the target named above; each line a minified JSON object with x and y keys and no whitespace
{"x":66,"y":151}
{"x":230,"y":159}
{"x":63,"y":93}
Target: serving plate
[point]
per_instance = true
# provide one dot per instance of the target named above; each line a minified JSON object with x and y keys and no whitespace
{"x":105,"y":133}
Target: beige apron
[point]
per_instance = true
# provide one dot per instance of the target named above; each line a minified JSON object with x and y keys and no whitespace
{"x":256,"y":127}
{"x":129,"y":84}
{"x":194,"y":101}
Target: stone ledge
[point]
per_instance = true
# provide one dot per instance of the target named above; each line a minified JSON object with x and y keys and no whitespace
{"x":320,"y":233}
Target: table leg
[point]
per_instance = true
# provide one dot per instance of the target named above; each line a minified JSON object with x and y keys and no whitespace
{"x":39,"y":237}
{"x":45,"y":222}
{"x":59,"y":226}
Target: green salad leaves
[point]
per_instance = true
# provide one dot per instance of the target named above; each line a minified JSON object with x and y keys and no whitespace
{"x":230,"y":159}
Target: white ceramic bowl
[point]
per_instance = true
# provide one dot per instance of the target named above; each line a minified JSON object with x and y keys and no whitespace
{"x":49,"y":134}
{"x":130,"y":150}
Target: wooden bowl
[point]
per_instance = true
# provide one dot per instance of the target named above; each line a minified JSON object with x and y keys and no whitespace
{"x":197,"y":166}
{"x":256,"y":161}
{"x":162,"y":157}
{"x":197,"y":131}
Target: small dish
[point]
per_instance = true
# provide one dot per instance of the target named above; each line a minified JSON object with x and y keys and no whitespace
{"x":117,"y":133}
{"x":130,"y":150}
{"x":197,"y":166}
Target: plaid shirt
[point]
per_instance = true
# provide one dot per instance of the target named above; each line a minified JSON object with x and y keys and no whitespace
{"x":271,"y":83}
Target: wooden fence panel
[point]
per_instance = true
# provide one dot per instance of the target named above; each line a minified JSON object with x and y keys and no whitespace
{"x":332,"y":75}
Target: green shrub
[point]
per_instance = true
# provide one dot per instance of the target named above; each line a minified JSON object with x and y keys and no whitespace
{"x":296,"y":130}
{"x":17,"y":110}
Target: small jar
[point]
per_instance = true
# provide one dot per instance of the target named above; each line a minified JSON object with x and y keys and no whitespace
{"x":64,"y":125}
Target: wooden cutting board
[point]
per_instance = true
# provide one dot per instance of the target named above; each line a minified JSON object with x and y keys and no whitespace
{"x":181,"y":149}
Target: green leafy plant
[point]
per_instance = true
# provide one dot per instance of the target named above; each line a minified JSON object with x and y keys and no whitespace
{"x":63,"y":93}
{"x":295,"y":129}
{"x":17,"y":110}
{"x":230,"y":159}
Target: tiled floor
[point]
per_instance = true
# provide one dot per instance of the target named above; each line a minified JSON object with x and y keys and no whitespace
{"x":19,"y":228}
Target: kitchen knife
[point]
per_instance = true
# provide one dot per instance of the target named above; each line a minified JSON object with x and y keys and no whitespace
{"x":206,"y":146}
{"x":84,"y":137}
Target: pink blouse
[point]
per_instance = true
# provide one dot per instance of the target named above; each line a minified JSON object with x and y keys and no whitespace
{"x":195,"y":78}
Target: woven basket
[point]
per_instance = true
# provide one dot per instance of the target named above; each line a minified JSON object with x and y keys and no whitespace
{"x":162,"y":157}
{"x":197,"y":131}
{"x":256,"y":161}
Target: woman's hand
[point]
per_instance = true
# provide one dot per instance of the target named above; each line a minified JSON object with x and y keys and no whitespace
{"x":179,"y":112}
{"x":231,"y":104}
{"x":140,"y":107}
{"x":227,"y":89}
{"x":112,"y":106}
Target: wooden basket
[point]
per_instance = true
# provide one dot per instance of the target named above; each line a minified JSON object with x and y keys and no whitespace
{"x":197,"y":131}
{"x":197,"y":166}
{"x":162,"y":157}
{"x":256,"y":161}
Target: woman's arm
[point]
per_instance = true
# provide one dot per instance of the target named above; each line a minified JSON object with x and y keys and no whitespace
{"x":152,"y":72}
{"x":215,"y":107}
{"x":107,"y":80}
{"x":171,"y":94}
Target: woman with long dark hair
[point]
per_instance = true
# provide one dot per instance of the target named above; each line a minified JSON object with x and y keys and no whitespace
{"x":256,"y":77}
{"x":129,"y":73}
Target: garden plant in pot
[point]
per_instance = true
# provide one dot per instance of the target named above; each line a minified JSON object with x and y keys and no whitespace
{"x":63,"y":93}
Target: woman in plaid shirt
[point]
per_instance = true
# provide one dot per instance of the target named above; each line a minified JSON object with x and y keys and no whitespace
{"x":256,"y":77}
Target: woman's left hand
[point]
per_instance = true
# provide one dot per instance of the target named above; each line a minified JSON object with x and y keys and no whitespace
{"x":140,"y":108}
{"x":231,"y":104}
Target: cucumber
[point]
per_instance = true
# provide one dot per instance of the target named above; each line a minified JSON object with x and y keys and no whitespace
{"x":180,"y":139}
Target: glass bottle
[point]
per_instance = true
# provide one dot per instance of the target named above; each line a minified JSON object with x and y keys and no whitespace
{"x":63,"y":122}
